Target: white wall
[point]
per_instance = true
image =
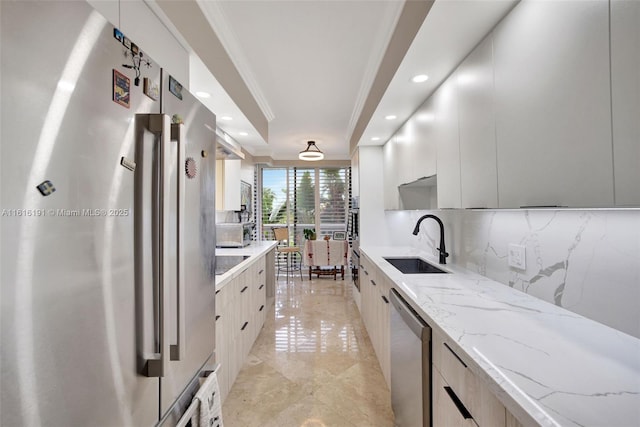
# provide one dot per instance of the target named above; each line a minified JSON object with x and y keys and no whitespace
{"x":586,"y":261}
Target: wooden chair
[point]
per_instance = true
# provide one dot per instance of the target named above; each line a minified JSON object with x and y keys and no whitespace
{"x":283,"y":249}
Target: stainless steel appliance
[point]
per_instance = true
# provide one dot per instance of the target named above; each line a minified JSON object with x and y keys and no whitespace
{"x":234,"y":235}
{"x":355,"y":265}
{"x":410,"y":340}
{"x":108,"y":241}
{"x":353,"y":230}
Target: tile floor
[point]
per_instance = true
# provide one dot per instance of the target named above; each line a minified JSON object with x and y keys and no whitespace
{"x":312,"y":364}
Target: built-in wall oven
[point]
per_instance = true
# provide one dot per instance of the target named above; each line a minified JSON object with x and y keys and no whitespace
{"x":353,"y":231}
{"x":355,"y":265}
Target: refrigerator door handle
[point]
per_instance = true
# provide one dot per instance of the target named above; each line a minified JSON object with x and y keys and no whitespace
{"x":178,"y":136}
{"x":153,"y":178}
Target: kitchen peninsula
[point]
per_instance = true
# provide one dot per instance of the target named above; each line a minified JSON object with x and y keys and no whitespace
{"x":244,"y":294}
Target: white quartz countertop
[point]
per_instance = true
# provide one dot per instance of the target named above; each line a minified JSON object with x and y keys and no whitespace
{"x":547,"y":365}
{"x":254,"y":251}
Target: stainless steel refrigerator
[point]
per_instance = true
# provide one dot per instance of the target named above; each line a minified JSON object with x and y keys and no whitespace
{"x":108,"y":227}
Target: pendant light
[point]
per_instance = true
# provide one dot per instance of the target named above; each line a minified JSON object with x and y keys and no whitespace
{"x":312,"y":153}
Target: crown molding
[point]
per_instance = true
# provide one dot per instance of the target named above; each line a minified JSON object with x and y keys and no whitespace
{"x":214,"y":13}
{"x":373,"y":64}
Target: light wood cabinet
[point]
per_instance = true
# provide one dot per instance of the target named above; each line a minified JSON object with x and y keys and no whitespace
{"x":553,"y":111}
{"x":445,"y":411}
{"x":384,"y":327}
{"x":456,"y":389}
{"x":223,"y":337}
{"x":374,"y":285}
{"x":241,"y":307}
{"x":625,"y":100}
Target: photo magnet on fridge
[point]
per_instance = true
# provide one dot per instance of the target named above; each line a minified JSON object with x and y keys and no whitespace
{"x":175,"y":88}
{"x":126,"y":42}
{"x":151,"y":89}
{"x":121,"y":88}
{"x":117,"y":34}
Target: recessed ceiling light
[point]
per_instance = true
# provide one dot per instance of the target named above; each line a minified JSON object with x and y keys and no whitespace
{"x":201,"y":94}
{"x":375,"y":138}
{"x":226,"y":118}
{"x":420,"y":78}
{"x":243,"y":134}
{"x":391,"y":117}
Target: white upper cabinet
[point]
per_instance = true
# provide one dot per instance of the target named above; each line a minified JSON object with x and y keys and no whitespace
{"x":355,"y":174}
{"x":478,"y":168}
{"x":446,"y":137}
{"x":410,"y":155}
{"x":625,"y":97}
{"x":424,"y":155}
{"x":228,"y":185}
{"x":390,"y":172}
{"x":552,"y":98}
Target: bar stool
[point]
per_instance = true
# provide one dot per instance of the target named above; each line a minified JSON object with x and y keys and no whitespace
{"x":282,"y":235}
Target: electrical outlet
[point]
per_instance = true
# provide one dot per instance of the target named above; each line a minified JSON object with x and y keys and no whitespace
{"x":517,"y":256}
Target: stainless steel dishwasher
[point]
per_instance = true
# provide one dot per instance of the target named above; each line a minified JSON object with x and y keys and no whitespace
{"x":410,"y":341}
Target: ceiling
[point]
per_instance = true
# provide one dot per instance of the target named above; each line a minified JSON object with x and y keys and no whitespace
{"x":310,"y":66}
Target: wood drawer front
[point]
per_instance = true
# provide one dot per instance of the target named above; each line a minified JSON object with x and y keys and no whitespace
{"x":486,"y":410}
{"x":445,"y":411}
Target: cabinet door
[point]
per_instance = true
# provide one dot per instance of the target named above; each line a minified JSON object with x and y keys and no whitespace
{"x":228,"y":185}
{"x":473,"y":393}
{"x":355,"y":173}
{"x":478,"y":166}
{"x":423,"y":153}
{"x":553,"y":115}
{"x":390,"y":172}
{"x":364,"y":289}
{"x":406,"y":146}
{"x":445,"y":411}
{"x":375,"y":314}
{"x":223,"y":323}
{"x":385,"y":327}
{"x":446,"y":136}
{"x":625,"y":97}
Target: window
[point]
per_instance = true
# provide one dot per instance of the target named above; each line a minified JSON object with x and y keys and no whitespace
{"x":301,"y":198}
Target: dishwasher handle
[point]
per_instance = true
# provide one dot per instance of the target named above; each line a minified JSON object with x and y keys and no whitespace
{"x":409,"y":316}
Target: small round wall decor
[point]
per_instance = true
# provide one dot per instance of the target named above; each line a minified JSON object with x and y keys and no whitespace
{"x":190,"y":168}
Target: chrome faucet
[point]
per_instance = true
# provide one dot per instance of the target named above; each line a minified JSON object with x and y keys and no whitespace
{"x":441,"y":249}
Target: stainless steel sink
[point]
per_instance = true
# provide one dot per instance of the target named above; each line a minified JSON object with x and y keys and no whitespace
{"x":414,"y":266}
{"x":225,"y":263}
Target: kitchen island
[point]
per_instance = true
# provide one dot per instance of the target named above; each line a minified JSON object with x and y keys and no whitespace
{"x":546,"y":365}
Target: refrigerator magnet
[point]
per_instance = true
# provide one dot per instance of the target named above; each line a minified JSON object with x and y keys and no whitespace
{"x":151,"y":89}
{"x":134,"y":49}
{"x":175,"y":88}
{"x":126,"y":42}
{"x":121,"y":88}
{"x":190,"y":168}
{"x":117,"y":34}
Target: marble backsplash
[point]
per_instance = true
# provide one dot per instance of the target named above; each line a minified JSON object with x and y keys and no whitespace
{"x":587,"y":261}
